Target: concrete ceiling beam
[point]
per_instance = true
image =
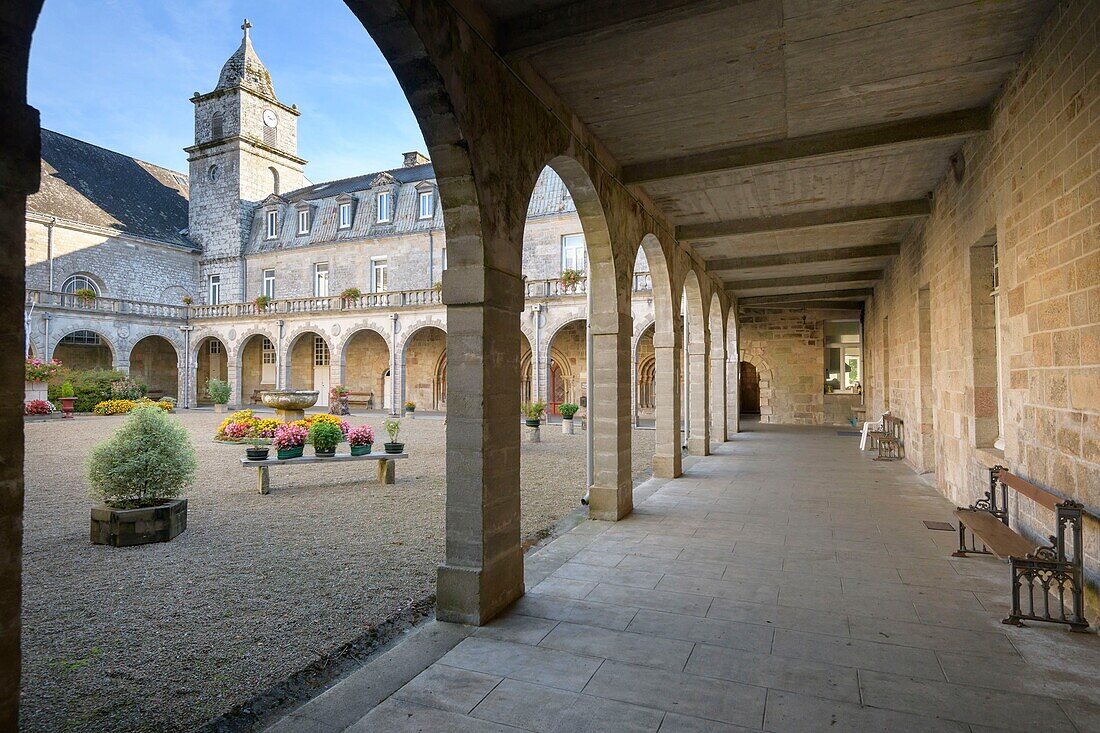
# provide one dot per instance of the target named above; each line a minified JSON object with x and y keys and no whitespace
{"x":788,"y":282}
{"x":806,"y":220}
{"x":961,"y":123}
{"x":837,"y":305}
{"x":809,"y":295}
{"x":838,"y":254}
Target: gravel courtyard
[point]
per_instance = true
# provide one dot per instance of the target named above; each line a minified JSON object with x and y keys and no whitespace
{"x":165,"y":637}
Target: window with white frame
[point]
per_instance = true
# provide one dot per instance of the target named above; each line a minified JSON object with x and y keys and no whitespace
{"x":269,"y":283}
{"x":843,"y":357}
{"x":345,"y":215}
{"x":320,"y":280}
{"x":267,"y":366}
{"x":303,"y":221}
{"x":272,"y":224}
{"x":320,"y":352}
{"x":79,"y":282}
{"x":427,"y":204}
{"x":214,"y":289}
{"x":82,"y":338}
{"x":385,"y":206}
{"x":378,"y":269}
{"x":215,"y":346}
{"x":572,"y":252}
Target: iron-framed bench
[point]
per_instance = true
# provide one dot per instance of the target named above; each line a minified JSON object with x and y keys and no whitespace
{"x":889,"y":439}
{"x":1046,"y":569}
{"x":386,"y":467}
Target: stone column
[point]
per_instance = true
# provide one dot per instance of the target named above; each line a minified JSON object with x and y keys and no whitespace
{"x":611,"y":496}
{"x":667,"y":456}
{"x":698,"y":392}
{"x":718,"y":387}
{"x":483,"y":569}
{"x":733,"y":395}
{"x":234,"y":377}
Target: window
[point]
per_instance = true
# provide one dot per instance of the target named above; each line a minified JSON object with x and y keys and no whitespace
{"x":572,"y":252}
{"x":378,"y":274}
{"x":320,"y":352}
{"x":269,"y":283}
{"x":215,"y":346}
{"x":843,"y":357}
{"x":303,"y":221}
{"x":385,"y":206}
{"x":217,"y":126}
{"x":985,"y":340}
{"x":427,"y":204}
{"x":320,"y":280}
{"x":213,"y":172}
{"x":267,"y":366}
{"x":274,"y":179}
{"x":79,"y":282}
{"x":345,"y":215}
{"x":272,"y":224}
{"x":214,"y":290}
{"x":82,"y":338}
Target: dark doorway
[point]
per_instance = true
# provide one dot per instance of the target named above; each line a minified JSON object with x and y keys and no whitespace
{"x":750,"y":390}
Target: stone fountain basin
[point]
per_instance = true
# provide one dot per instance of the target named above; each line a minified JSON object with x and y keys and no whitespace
{"x":290,"y":399}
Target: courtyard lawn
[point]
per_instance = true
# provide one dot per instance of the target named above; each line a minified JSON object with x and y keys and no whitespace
{"x":164,"y":637}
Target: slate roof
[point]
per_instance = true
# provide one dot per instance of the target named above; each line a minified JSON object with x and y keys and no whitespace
{"x":244,"y":69}
{"x":92,"y":185}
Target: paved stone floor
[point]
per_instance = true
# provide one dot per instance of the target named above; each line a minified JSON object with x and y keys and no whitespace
{"x":786,"y":583}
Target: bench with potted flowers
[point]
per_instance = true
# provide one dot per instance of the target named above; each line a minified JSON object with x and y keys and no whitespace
{"x":325,"y":436}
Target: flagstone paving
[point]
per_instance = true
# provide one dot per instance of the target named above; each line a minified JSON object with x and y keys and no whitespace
{"x":786,"y":583}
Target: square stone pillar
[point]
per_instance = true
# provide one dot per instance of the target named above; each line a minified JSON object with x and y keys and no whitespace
{"x":483,"y":569}
{"x":667,"y":455}
{"x":698,"y":394}
{"x":733,"y":395}
{"x":611,"y":496}
{"x":718,"y":387}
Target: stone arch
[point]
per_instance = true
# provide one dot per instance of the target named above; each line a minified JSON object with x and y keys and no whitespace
{"x":156,"y":366}
{"x":210,"y":363}
{"x":307,"y":363}
{"x":567,"y":366}
{"x":237,"y":345}
{"x":83,"y":278}
{"x":84,"y":348}
{"x":765,"y":375}
{"x":527,"y":369}
{"x":717,"y":367}
{"x":365,"y":358}
{"x":667,"y":347}
{"x":696,"y":382}
{"x":645,"y":374}
{"x":419,"y":378}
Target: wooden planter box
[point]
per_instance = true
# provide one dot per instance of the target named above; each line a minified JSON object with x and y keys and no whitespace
{"x":129,"y":527}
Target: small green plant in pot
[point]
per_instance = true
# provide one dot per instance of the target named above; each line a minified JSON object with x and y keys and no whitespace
{"x":257,"y":449}
{"x":218,"y":391}
{"x":393,"y":429}
{"x":138,"y":475}
{"x":567,"y":410}
{"x":68,"y":399}
{"x":325,"y":437}
{"x":532,"y":413}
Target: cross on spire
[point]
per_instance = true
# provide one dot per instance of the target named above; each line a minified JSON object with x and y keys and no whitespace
{"x":245,"y":26}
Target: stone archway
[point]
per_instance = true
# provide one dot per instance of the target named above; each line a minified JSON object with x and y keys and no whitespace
{"x":154,"y":361}
{"x":763,"y":396}
{"x":423,"y":364}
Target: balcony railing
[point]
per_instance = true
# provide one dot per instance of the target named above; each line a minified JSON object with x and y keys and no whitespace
{"x":49,"y":299}
{"x":334,"y":303}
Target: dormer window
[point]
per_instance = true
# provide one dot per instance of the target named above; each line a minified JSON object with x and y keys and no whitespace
{"x":345,"y":215}
{"x":303,"y":220}
{"x":427,"y":204}
{"x":272,"y":224}
{"x":385,"y":206}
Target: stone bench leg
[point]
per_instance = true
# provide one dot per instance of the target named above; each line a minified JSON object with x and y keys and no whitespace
{"x":386,"y":472}
{"x":263,"y":484}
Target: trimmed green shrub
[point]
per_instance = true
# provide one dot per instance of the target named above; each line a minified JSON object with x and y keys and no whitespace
{"x":325,"y":436}
{"x":149,"y":461}
{"x":89,"y":388}
{"x":532,"y":410}
{"x":218,"y":390}
{"x":568,"y":410}
{"x":67,"y":389}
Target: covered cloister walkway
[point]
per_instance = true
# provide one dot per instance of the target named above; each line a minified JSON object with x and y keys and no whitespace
{"x":784,"y":583}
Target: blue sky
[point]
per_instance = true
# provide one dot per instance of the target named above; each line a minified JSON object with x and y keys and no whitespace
{"x":119,"y":73}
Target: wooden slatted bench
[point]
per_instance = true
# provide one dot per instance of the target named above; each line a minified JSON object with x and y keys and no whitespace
{"x":889,"y":438}
{"x":1047,"y":573}
{"x":361,"y":398}
{"x":386,"y":466}
{"x":257,"y":397}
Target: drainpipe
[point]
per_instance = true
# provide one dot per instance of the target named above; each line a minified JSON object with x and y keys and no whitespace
{"x":49,"y":251}
{"x":431,"y":258}
{"x":280,"y":378}
{"x":187,"y":329}
{"x":589,"y":433}
{"x":393,"y":369}
{"x":684,"y":400}
{"x":46,"y":346}
{"x":536,"y":372}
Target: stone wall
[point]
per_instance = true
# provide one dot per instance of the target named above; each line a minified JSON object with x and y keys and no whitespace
{"x":567,"y":350}
{"x":367,"y":360}
{"x":154,"y":362}
{"x":1031,"y":188}
{"x":425,"y":369}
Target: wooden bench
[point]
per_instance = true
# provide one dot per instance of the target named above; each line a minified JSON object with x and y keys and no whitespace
{"x":386,"y":472}
{"x":361,"y":398}
{"x":257,"y":397}
{"x":889,"y":440}
{"x":1048,"y":573}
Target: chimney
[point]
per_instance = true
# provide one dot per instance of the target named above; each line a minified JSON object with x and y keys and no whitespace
{"x":415,"y":158}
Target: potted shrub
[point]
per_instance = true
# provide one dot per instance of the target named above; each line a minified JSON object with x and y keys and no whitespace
{"x":571,"y":278}
{"x":257,"y":449}
{"x":68,"y":399}
{"x":289,"y":441}
{"x":350,"y":295}
{"x":568,"y":410}
{"x":361,"y":440}
{"x":36,"y":374}
{"x":410,"y":407}
{"x":338,"y":400}
{"x":37,"y":407}
{"x":325,"y":437}
{"x":261,"y":302}
{"x":86,"y":296}
{"x":138,"y":475}
{"x":532,"y":413}
{"x":393,"y":429}
{"x":188,"y":300}
{"x":218,"y":391}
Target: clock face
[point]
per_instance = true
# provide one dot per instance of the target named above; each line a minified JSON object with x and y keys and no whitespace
{"x":269,"y":118}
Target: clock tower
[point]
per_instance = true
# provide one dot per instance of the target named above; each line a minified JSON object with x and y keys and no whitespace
{"x":246,"y":145}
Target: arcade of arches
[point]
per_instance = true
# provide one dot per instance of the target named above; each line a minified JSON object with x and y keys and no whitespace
{"x":953,"y":149}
